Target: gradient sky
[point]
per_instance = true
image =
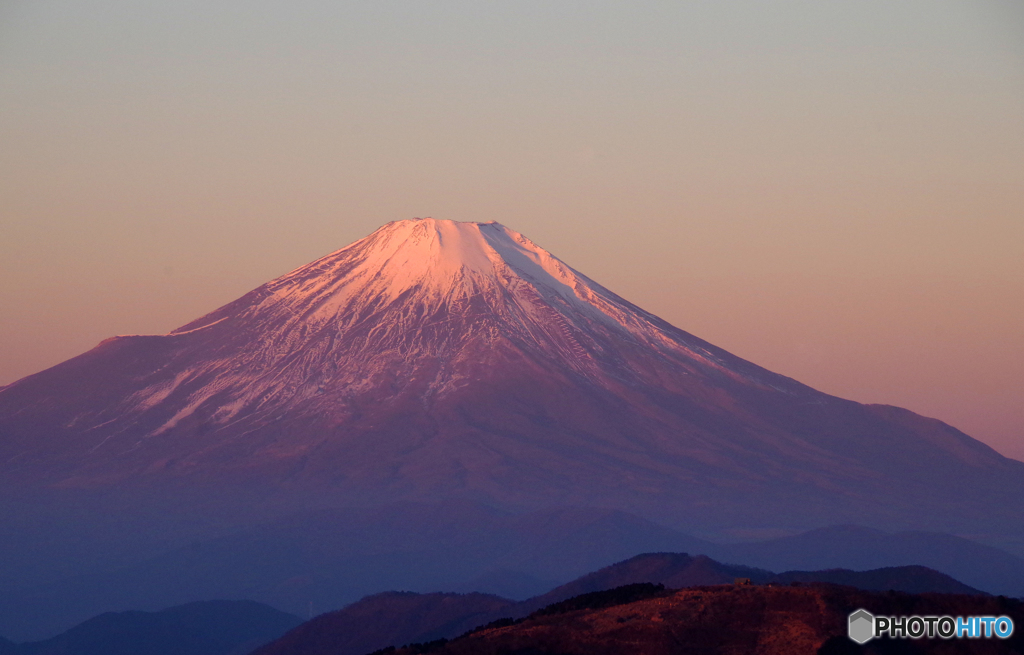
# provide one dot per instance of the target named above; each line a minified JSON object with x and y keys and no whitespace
{"x":833,"y":190}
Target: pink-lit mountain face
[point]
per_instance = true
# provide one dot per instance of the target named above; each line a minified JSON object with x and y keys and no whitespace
{"x":435,"y":360}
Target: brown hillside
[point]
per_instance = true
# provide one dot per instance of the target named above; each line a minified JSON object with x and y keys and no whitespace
{"x":762,"y":620}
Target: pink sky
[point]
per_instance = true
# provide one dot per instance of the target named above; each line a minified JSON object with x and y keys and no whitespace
{"x":834,"y":191}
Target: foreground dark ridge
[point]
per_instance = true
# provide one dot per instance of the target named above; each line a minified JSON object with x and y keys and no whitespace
{"x":756,"y":620}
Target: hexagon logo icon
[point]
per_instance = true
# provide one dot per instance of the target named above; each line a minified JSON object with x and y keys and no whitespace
{"x":862,"y":626}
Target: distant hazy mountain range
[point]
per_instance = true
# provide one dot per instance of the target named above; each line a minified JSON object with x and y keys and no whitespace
{"x":443,"y":388}
{"x":397,"y":618}
{"x":328,"y":559}
{"x":204,"y":628}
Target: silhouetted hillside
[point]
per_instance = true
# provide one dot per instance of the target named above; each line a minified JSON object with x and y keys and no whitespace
{"x":752,"y":619}
{"x":219,"y":627}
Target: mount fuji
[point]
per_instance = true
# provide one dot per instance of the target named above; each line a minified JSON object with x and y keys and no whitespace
{"x":437,"y":359}
{"x":444,"y":362}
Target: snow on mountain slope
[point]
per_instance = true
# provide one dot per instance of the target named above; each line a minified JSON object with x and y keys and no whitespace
{"x":414,"y":289}
{"x":435,"y":359}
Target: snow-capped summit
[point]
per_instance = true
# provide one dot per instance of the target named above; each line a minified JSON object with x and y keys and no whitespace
{"x":440,"y":261}
{"x":438,"y":359}
{"x":435,"y":263}
{"x":446,"y":258}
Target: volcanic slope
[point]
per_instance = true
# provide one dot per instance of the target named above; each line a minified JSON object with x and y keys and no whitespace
{"x":436,"y":359}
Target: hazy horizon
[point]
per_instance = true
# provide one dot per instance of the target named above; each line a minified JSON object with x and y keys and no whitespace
{"x":831,"y":191}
